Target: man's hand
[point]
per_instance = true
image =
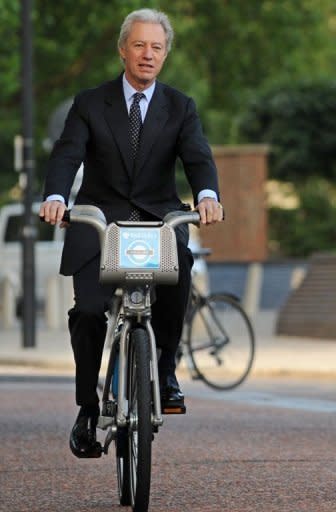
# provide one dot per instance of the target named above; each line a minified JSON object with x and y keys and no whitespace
{"x":52,"y":212}
{"x":210,"y":210}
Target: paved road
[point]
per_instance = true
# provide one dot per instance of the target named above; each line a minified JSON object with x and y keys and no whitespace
{"x":269,"y":446}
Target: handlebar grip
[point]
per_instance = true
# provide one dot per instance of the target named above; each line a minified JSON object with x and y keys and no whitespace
{"x":66,"y":216}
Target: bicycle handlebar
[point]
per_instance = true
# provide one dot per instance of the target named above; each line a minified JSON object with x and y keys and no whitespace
{"x":163,"y":269}
{"x":94,"y":216}
{"x":177,"y":217}
{"x":88,"y":214}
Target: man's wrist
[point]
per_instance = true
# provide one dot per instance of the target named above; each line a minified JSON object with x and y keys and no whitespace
{"x":56,"y":197}
{"x":207,"y":193}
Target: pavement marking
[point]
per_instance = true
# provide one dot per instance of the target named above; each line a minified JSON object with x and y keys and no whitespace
{"x":265,"y":399}
{"x":36,"y":379}
{"x":279,"y":399}
{"x":36,"y":382}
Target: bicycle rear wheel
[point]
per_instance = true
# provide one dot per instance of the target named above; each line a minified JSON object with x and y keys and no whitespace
{"x":140,"y":424}
{"x":221,"y":341}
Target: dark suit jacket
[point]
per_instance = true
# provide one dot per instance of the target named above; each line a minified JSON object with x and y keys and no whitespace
{"x":96,"y":132}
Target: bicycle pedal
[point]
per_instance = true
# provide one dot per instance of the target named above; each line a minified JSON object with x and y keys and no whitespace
{"x":172,"y":408}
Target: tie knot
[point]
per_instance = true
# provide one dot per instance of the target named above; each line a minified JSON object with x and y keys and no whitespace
{"x":137,"y":97}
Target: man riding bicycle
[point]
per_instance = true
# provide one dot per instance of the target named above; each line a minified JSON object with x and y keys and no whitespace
{"x":128,"y":132}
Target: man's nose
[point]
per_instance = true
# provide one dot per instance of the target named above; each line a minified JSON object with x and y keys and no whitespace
{"x":148,"y":52}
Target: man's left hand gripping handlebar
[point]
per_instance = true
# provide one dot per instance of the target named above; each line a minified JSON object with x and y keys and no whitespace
{"x":210,"y":210}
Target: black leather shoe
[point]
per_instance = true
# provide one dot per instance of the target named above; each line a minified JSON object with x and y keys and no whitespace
{"x":83,"y":441}
{"x":172,"y":398}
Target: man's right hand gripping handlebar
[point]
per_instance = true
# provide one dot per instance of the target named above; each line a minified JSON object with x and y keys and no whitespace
{"x":54,"y":212}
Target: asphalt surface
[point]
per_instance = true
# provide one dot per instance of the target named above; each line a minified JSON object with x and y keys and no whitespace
{"x":267,"y":446}
{"x":231,"y":452}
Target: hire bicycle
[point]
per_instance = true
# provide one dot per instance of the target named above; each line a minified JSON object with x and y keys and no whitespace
{"x":218,"y":341}
{"x":135,"y":256}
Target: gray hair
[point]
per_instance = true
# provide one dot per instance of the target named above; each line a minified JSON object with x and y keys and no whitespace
{"x":146,"y":16}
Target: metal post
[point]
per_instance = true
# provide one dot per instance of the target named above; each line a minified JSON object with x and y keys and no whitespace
{"x":28,"y":231}
{"x":252,"y":293}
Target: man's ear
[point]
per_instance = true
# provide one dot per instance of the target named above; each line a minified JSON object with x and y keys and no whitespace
{"x":165,"y":56}
{"x":122,"y":53}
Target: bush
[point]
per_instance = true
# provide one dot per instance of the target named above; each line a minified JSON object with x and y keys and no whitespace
{"x":308,"y":228}
{"x":298,"y":121}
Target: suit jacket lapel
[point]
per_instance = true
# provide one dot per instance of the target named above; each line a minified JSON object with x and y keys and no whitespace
{"x":116,"y":116}
{"x":156,"y":118}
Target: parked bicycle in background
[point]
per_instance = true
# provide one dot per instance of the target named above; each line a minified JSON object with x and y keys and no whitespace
{"x":218,"y":341}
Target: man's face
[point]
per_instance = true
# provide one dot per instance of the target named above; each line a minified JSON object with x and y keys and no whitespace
{"x":144,"y":53}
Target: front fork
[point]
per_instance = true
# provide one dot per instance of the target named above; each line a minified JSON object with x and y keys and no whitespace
{"x":122,"y":404}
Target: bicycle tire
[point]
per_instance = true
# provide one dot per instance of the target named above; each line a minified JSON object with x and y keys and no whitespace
{"x":123,"y":467}
{"x":140,"y":425}
{"x":220,"y":341}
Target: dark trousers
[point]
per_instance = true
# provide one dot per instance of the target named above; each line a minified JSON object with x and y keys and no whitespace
{"x":88,"y":322}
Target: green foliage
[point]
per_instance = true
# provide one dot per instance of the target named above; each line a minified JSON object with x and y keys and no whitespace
{"x":310,"y":227}
{"x":298,"y":120}
{"x":240,"y":46}
{"x":224,"y":52}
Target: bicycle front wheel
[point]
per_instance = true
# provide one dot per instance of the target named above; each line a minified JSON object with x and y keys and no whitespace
{"x":140,"y":424}
{"x":123,"y":467}
{"x":221,"y":341}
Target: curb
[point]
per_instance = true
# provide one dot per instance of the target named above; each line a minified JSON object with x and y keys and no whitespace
{"x":19,"y":366}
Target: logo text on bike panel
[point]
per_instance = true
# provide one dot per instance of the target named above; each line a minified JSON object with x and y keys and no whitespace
{"x":139,"y":248}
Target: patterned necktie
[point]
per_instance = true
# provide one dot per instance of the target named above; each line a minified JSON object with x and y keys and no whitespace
{"x":135,"y":122}
{"x":135,"y":129}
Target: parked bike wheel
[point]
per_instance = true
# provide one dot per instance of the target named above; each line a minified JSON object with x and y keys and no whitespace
{"x":221,"y":341}
{"x":140,"y":425}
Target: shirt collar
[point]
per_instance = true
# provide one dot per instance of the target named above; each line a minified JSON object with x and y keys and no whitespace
{"x":129,"y":90}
